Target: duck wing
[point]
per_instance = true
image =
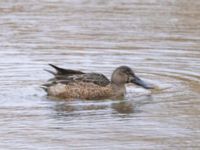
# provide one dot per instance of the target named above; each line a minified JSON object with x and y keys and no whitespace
{"x":95,"y":78}
{"x":67,"y":76}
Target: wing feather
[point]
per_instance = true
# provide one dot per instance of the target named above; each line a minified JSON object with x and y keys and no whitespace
{"x":67,"y":76}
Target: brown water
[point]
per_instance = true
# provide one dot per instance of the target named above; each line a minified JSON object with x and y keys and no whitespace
{"x":159,"y":39}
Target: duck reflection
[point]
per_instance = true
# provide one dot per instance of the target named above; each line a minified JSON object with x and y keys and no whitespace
{"x":124,"y":107}
{"x":77,"y":109}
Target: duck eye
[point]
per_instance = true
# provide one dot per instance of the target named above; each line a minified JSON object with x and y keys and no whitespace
{"x":127,"y":71}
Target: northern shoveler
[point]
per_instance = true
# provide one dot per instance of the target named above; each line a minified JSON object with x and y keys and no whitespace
{"x":73,"y":84}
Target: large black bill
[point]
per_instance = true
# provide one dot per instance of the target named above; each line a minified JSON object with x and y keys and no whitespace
{"x":140,"y":82}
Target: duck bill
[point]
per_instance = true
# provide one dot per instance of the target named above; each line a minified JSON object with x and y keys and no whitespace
{"x":141,"y":83}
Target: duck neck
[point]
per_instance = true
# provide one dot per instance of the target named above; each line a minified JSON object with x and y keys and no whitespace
{"x":118,"y":89}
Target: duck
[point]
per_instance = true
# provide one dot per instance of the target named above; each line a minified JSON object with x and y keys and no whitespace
{"x":74,"y":84}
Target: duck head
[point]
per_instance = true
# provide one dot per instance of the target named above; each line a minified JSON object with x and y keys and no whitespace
{"x":123,"y":75}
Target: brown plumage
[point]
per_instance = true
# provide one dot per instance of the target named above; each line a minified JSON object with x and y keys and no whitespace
{"x":73,"y":84}
{"x":80,"y":90}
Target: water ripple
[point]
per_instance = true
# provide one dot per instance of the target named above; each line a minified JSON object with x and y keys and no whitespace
{"x":158,"y":39}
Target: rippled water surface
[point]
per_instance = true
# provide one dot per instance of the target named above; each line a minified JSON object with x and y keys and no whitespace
{"x":159,"y":39}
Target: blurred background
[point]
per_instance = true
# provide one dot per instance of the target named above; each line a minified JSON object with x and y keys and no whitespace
{"x":158,"y":39}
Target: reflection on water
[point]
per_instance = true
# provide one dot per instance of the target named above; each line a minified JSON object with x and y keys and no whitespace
{"x":123,"y":107}
{"x":158,"y":39}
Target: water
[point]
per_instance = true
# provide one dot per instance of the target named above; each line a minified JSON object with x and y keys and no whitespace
{"x":158,"y":39}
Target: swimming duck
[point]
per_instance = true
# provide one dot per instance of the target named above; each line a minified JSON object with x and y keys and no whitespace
{"x":74,"y":84}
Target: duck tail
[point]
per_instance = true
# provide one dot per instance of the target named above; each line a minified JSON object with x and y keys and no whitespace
{"x":44,"y":88}
{"x":49,"y":71}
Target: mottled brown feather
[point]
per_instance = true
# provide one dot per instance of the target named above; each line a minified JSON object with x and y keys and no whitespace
{"x":80,"y":90}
